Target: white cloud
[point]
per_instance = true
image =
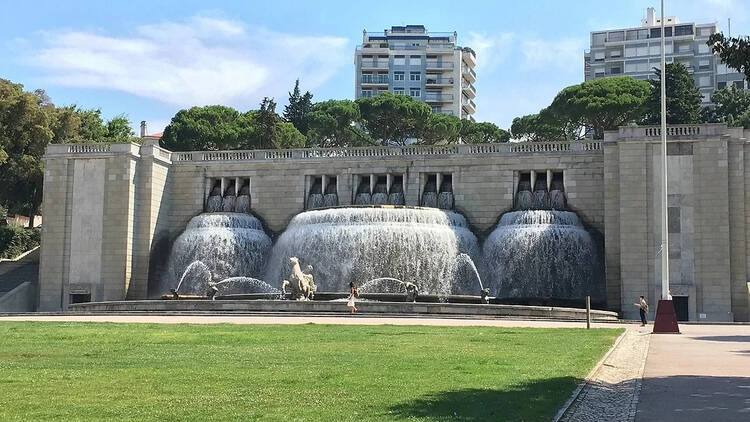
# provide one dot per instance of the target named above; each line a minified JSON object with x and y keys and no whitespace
{"x":492,"y":50}
{"x":565,"y":54}
{"x":203,"y":60}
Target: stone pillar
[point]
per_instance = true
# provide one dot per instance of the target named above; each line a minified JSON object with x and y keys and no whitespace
{"x":89,"y":204}
{"x":152,"y":210}
{"x":612,"y":225}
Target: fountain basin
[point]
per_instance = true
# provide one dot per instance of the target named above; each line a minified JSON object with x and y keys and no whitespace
{"x":337,"y":307}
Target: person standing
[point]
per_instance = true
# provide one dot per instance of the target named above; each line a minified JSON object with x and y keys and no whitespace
{"x":353,"y":293}
{"x":643,"y":309}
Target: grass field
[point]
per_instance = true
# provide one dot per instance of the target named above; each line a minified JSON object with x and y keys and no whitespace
{"x":99,"y":371}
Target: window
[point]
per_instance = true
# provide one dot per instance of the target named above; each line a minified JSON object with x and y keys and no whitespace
{"x":683,"y":30}
{"x":642,"y":50}
{"x":739,"y":84}
{"x":722,"y":69}
{"x":399,"y":60}
{"x":704,"y":64}
{"x":415,"y":60}
{"x":398,"y":76}
{"x":703,"y":48}
{"x":366,"y":78}
{"x":366,"y":93}
{"x":704,"y":81}
{"x":598,"y":39}
{"x":655,"y":50}
{"x":642,"y":34}
{"x":705,"y":32}
{"x":705,"y":97}
{"x":415,"y":92}
{"x":615,"y":53}
{"x":599,"y":56}
{"x":615,"y":71}
{"x":668,"y":32}
{"x":630,"y":51}
{"x":684,"y":48}
{"x":655,"y":32}
{"x":415,"y":44}
{"x":668,"y":48}
{"x":630,"y":67}
{"x":398,"y":91}
{"x":415,"y":76}
{"x":616,"y":36}
{"x":721,"y":85}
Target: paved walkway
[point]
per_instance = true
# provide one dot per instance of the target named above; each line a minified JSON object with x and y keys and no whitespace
{"x":700,"y":375}
{"x":611,"y":391}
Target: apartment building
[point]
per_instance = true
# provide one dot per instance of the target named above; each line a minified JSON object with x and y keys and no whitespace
{"x":428,"y":66}
{"x":637,"y":51}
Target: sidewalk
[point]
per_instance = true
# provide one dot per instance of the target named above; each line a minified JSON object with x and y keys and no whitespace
{"x":700,"y":375}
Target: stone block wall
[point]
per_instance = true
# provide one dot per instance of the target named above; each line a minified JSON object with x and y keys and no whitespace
{"x":135,"y":200}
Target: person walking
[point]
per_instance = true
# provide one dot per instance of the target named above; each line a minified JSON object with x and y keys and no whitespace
{"x":353,"y":293}
{"x":643,"y":309}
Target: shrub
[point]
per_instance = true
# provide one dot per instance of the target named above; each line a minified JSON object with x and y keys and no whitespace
{"x":15,"y":240}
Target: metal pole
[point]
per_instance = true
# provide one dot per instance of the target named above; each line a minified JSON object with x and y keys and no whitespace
{"x":664,"y":221}
{"x":588,"y":312}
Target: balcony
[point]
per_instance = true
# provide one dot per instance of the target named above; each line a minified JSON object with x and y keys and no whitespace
{"x":434,"y":64}
{"x":374,"y":64}
{"x":469,"y":56}
{"x":374,"y":80}
{"x":431,"y":81}
{"x":442,"y":111}
{"x":468,"y":105}
{"x":469,"y":74}
{"x":469,"y":90}
{"x":431,"y":97}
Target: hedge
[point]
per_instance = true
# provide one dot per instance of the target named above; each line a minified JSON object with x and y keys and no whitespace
{"x":15,"y":240}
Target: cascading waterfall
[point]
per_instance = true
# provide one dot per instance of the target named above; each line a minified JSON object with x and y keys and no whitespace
{"x":360,"y":244}
{"x":542,"y":254}
{"x":242,"y":285}
{"x":227,"y":244}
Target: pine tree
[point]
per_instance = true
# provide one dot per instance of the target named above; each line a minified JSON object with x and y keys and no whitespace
{"x":300,"y":105}
{"x":267,"y":127}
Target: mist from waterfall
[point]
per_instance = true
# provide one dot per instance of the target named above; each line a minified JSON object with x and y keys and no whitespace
{"x":542,"y":254}
{"x":364,"y":243}
{"x":227,"y":244}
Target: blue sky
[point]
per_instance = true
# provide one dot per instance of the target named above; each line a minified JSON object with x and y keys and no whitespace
{"x":148,"y":59}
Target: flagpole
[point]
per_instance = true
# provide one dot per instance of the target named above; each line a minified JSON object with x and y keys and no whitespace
{"x":664,"y":222}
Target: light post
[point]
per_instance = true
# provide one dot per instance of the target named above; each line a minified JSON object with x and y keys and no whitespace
{"x":666,"y":319}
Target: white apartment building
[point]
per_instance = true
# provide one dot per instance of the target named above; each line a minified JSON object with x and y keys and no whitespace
{"x":429,"y":67}
{"x":637,"y":51}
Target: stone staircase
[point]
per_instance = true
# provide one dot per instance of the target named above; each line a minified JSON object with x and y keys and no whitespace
{"x":19,"y":279}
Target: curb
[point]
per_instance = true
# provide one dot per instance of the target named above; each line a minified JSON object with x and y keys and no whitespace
{"x":589,"y":376}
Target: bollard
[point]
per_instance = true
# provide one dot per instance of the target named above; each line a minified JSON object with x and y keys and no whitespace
{"x":588,"y":312}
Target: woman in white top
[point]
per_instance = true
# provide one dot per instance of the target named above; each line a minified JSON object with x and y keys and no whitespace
{"x":353,"y":293}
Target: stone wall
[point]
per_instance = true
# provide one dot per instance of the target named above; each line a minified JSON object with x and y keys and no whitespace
{"x":146,"y":195}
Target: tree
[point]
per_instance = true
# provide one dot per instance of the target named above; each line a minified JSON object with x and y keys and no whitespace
{"x":266,"y":121}
{"x":683,"y":98}
{"x":600,"y":104}
{"x":336,"y":123}
{"x":392,"y":119}
{"x":119,"y":130}
{"x":300,"y":105}
{"x":537,"y":128}
{"x":288,"y":136}
{"x":441,"y":128}
{"x":735,"y":52}
{"x":482,"y":133}
{"x":731,"y":104}
{"x":209,"y":128}
{"x":26,"y":121}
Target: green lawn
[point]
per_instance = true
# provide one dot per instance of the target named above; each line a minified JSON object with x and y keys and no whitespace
{"x":138,"y":372}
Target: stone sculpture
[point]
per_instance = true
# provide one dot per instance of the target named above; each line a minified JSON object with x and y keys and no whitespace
{"x":300,"y":283}
{"x":412,"y":291}
{"x":486,"y":295}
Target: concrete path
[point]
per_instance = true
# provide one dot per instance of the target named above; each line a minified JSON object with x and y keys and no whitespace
{"x":300,"y":319}
{"x":700,"y":375}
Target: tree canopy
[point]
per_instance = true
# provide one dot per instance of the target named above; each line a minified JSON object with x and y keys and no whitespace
{"x":28,"y":123}
{"x":600,"y":104}
{"x":336,"y":123}
{"x":730,"y":105}
{"x":392,"y":119}
{"x":734,"y":52}
{"x":298,"y":109}
{"x":683,"y":97}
